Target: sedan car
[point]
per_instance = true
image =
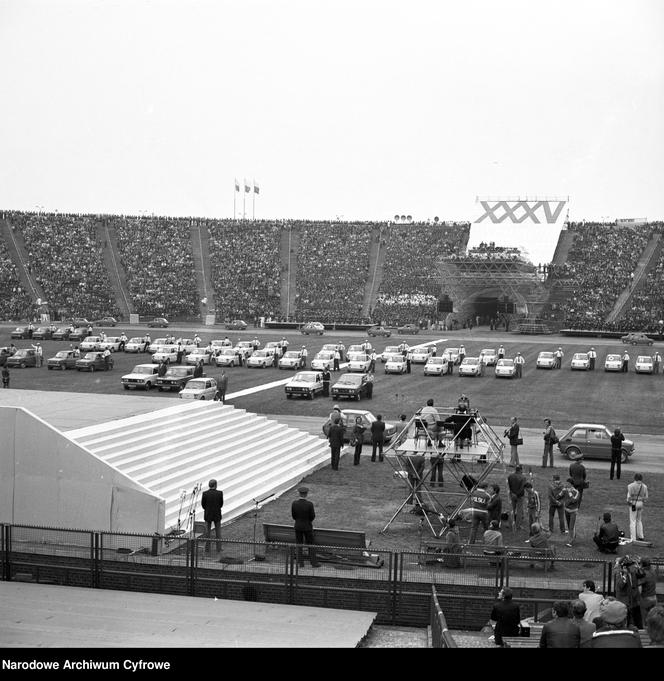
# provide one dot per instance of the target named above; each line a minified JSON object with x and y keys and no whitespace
{"x":591,"y":441}
{"x":111,"y":343}
{"x":389,"y":350}
{"x":90,"y":344}
{"x":613,"y":362}
{"x":305,"y":384}
{"x":323,"y":360}
{"x":396,"y":364}
{"x":452,"y":352}
{"x":142,"y":376}
{"x":545,"y":360}
{"x":358,"y":361}
{"x":379,"y":331}
{"x":204,"y":388}
{"x":636,"y":339}
{"x":435,"y":366}
{"x":313,"y":328}
{"x":61,"y":333}
{"x":293,"y":359}
{"x":78,"y":334}
{"x":94,"y":361}
{"x":580,"y":362}
{"x":194,"y":357}
{"x":348,"y":417}
{"x":227,"y":358}
{"x":175,"y":378}
{"x":64,"y":359}
{"x":353,"y":387}
{"x":135,"y":344}
{"x":421,"y":355}
{"x":505,"y":368}
{"x":471,"y":366}
{"x":236,"y":325}
{"x":644,"y":364}
{"x":106,"y":321}
{"x":159,"y":323}
{"x":409,"y":328}
{"x":81,"y":321}
{"x":23,"y":357}
{"x":489,"y":357}
{"x":42,"y":333}
{"x":264,"y":358}
{"x":20,"y":332}
{"x":246,"y":348}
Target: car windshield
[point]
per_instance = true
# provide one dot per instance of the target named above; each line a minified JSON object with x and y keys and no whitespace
{"x":436,"y":360}
{"x":613,"y":358}
{"x":488,"y":351}
{"x":91,"y":339}
{"x":470,"y":360}
{"x":62,"y":354}
{"x":546,"y":355}
{"x":244,"y":344}
{"x":21,"y":353}
{"x":328,"y":347}
{"x":453,"y":351}
{"x":179,"y":371}
{"x":261,"y":353}
{"x":505,"y":362}
{"x":142,"y":370}
{"x":356,"y":356}
{"x":136,"y":339}
{"x":350,"y":379}
{"x":196,"y":384}
{"x":580,"y":355}
{"x":228,"y":352}
{"x":325,"y":355}
{"x":91,"y":355}
{"x":395,"y":358}
{"x":305,"y":377}
{"x":292,"y":355}
{"x":644,"y":358}
{"x":41,"y":329}
{"x":355,"y":348}
{"x":391,"y":348}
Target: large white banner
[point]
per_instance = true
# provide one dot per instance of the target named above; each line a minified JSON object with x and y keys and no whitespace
{"x":531,"y":225}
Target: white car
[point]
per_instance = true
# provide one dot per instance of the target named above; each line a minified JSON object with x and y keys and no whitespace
{"x":471,"y":366}
{"x":435,"y":366}
{"x":187,"y":344}
{"x":505,"y":368}
{"x":195,"y":356}
{"x":135,"y":344}
{"x":613,"y":363}
{"x":304,"y":384}
{"x":165,"y":353}
{"x":245,"y":347}
{"x":142,"y":376}
{"x":204,"y":388}
{"x":580,"y":362}
{"x":221,"y":343}
{"x":329,"y":347}
{"x":292,"y":360}
{"x":389,"y":350}
{"x":227,"y":358}
{"x":111,"y":343}
{"x":396,"y":364}
{"x":489,"y":357}
{"x":454,"y":352}
{"x":421,"y":355}
{"x":358,"y":361}
{"x":157,"y":343}
{"x":545,"y":360}
{"x":90,"y":344}
{"x":644,"y":364}
{"x":262,"y":358}
{"x":323,"y":360}
{"x":355,"y":348}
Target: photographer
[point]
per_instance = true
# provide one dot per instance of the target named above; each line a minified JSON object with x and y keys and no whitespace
{"x":628,"y":576}
{"x":637,"y":494}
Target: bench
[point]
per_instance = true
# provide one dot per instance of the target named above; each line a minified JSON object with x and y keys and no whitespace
{"x":330,"y":539}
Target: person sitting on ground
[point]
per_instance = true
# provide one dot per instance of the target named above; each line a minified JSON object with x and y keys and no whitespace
{"x":539,"y":539}
{"x":493,"y":539}
{"x":607,"y":538}
{"x":614,"y":631}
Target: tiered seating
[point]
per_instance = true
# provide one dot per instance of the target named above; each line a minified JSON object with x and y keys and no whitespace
{"x":173,"y":449}
{"x":15,"y":303}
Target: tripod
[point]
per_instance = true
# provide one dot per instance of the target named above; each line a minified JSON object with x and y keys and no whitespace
{"x":258,"y":556}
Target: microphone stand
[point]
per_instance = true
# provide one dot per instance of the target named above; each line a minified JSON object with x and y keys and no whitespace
{"x":258,"y":556}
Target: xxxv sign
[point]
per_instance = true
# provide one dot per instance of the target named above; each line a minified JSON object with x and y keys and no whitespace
{"x":551,"y":211}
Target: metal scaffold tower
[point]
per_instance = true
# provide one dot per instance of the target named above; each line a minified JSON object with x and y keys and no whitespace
{"x":459,"y":444}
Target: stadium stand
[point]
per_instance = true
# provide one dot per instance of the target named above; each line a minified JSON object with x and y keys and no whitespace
{"x":15,"y":303}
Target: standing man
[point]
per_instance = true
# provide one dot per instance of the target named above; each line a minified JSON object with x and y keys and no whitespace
{"x":335,"y":438}
{"x":326,"y":382}
{"x":616,"y":453}
{"x":516,"y":483}
{"x":556,"y":497}
{"x":304,"y":354}
{"x":284,"y":345}
{"x":123,"y":341}
{"x":505,"y":617}
{"x":377,"y":437}
{"x":534,"y":507}
{"x":357,"y":440}
{"x":39,"y":351}
{"x":625,"y":362}
{"x":450,"y":363}
{"x":337,"y":359}
{"x":222,"y":385}
{"x":571,"y":503}
{"x":577,"y":472}
{"x":5,"y":377}
{"x":462,"y":353}
{"x":372,"y":362}
{"x":558,"y":355}
{"x":656,"y":362}
{"x":479,"y":509}
{"x":512,"y":434}
{"x":637,"y":494}
{"x":592,"y":356}
{"x":302,"y":511}
{"x":501,"y":352}
{"x":550,"y":438}
{"x":107,"y":358}
{"x":519,"y":361}
{"x":212,"y":500}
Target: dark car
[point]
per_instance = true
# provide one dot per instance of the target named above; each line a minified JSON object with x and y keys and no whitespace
{"x":64,"y":359}
{"x":315,"y":328}
{"x":637,"y":339}
{"x":591,"y":441}
{"x":409,"y":328}
{"x":379,"y":331}
{"x":42,"y":333}
{"x":79,"y":334}
{"x":158,"y":322}
{"x":175,"y":378}
{"x":353,"y":387}
{"x":236,"y":325}
{"x":94,"y":361}
{"x":23,"y":357}
{"x":20,"y":332}
{"x":61,"y":333}
{"x":81,"y":321}
{"x":106,"y":321}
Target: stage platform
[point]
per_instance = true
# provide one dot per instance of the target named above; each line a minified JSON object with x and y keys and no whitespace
{"x":51,"y":616}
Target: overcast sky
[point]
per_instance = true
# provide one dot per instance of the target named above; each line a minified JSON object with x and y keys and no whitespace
{"x":355,"y":108}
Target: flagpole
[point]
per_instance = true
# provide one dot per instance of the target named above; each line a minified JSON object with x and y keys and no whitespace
{"x":234,"y":197}
{"x":244,"y":201}
{"x":253,"y":201}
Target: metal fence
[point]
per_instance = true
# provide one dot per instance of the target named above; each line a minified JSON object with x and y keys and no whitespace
{"x":440,"y":635}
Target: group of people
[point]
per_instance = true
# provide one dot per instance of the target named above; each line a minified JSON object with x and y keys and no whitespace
{"x":337,"y":435}
{"x":15,"y":302}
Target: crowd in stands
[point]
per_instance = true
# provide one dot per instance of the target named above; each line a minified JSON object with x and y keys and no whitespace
{"x":15,"y":303}
{"x":245,"y":266}
{"x":157,"y":257}
{"x":65,"y":260}
{"x":490,"y":251}
{"x":332,"y":270}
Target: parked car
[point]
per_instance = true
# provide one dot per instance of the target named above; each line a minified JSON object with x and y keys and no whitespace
{"x":80,"y":321}
{"x":236,"y":325}
{"x":471,"y":366}
{"x":158,"y":322}
{"x":353,"y":387}
{"x":194,"y":357}
{"x":452,"y":352}
{"x":580,"y":362}
{"x":436,"y":366}
{"x":175,"y":378}
{"x":358,"y":361}
{"x":142,"y":376}
{"x":323,"y":360}
{"x":227,"y":358}
{"x":78,"y":334}
{"x":379,"y":331}
{"x":636,"y":339}
{"x":489,"y":357}
{"x":244,"y":347}
{"x":204,"y":388}
{"x":389,"y":351}
{"x":613,"y":362}
{"x":396,"y":364}
{"x":111,"y":343}
{"x":63,"y":359}
{"x":263,"y":358}
{"x":94,"y":361}
{"x":315,"y":328}
{"x":20,"y":333}
{"x":90,"y":344}
{"x":42,"y":333}
{"x":421,"y":355}
{"x":348,"y":417}
{"x":60,"y":334}
{"x":293,"y":359}
{"x":23,"y":357}
{"x":304,"y":384}
{"x":644,"y":364}
{"x":135,"y":344}
{"x":409,"y":328}
{"x":591,"y":441}
{"x":105,"y":321}
{"x":505,"y":368}
{"x":545,"y":360}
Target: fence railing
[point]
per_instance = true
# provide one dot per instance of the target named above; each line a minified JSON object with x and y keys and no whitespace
{"x":440,"y":635}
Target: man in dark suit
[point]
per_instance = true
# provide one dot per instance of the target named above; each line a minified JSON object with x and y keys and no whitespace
{"x":377,"y":437}
{"x":303,"y":514}
{"x":335,"y":437}
{"x":560,"y":632}
{"x":577,"y":471}
{"x":212,"y":500}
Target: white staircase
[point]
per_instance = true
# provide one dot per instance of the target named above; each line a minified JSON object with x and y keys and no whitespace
{"x":172,"y":450}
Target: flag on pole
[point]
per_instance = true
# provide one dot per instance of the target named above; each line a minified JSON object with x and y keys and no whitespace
{"x":247,"y":188}
{"x":256,"y":188}
{"x":237,"y":186}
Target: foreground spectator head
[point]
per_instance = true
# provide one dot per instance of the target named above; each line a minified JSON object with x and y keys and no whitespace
{"x":506,"y":594}
{"x":578,"y":609}
{"x":613,"y":613}
{"x":655,"y":625}
{"x":607,"y":517}
{"x":589,"y":585}
{"x":561,"y":608}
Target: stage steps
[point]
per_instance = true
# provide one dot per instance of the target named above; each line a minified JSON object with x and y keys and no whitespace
{"x":172,"y":450}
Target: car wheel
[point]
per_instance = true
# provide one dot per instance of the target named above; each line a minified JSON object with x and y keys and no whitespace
{"x":148,"y":386}
{"x":288,"y":396}
{"x":311,"y":395}
{"x":126,"y":387}
{"x":160,"y":389}
{"x":49,"y":368}
{"x":202,"y":397}
{"x":573,"y":453}
{"x":624,"y":457}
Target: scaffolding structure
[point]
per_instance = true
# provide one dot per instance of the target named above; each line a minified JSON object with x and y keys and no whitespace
{"x":461,"y":442}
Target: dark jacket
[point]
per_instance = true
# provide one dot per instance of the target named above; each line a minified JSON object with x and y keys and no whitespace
{"x":378,"y":431}
{"x":577,"y":471}
{"x":303,"y":514}
{"x":212,"y":500}
{"x":336,"y":435}
{"x":616,"y":442}
{"x":513,"y":434}
{"x":560,"y":633}
{"x":517,"y":483}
